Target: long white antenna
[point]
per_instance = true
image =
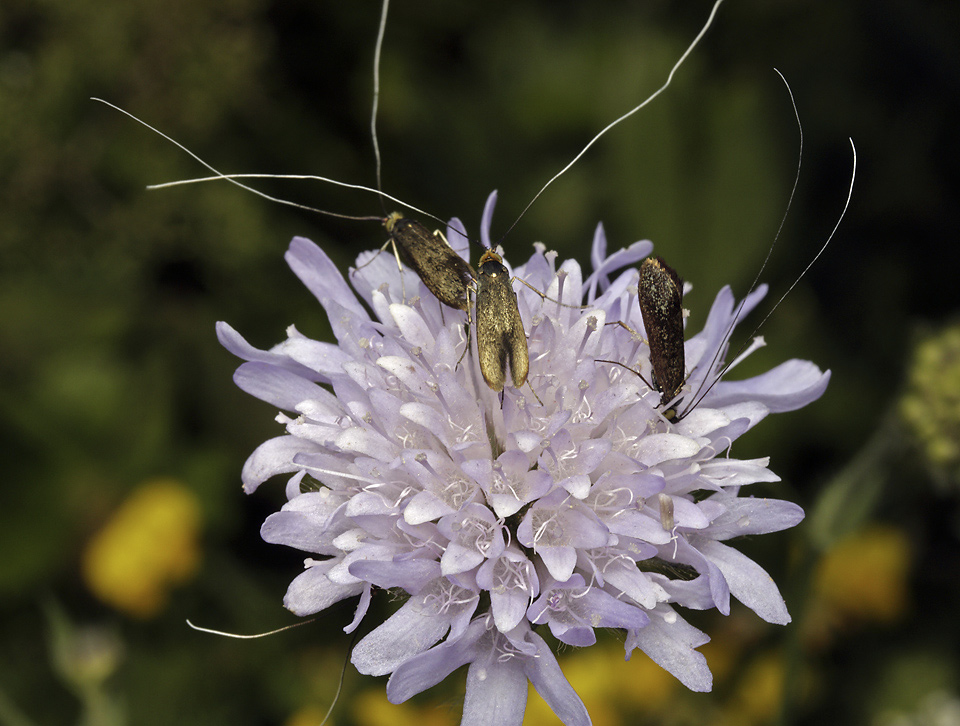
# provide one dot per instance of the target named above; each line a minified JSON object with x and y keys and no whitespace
{"x":853,"y":175}
{"x":704,"y":387}
{"x":232,"y":178}
{"x":376,"y":87}
{"x":301,"y":177}
{"x":228,"y":177}
{"x":624,"y":117}
{"x":240,"y":636}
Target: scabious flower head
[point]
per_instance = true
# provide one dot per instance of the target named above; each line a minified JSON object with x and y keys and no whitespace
{"x":570,"y":502}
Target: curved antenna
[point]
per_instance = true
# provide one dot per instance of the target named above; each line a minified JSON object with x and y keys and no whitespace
{"x":343,"y":673}
{"x":377,"y":55}
{"x":846,"y":206}
{"x":697,"y":397}
{"x":301,"y":177}
{"x":240,"y":636}
{"x":232,"y":178}
{"x":219,"y":175}
{"x":343,"y":669}
{"x":624,"y":117}
{"x":378,"y":48}
{"x":836,"y":226}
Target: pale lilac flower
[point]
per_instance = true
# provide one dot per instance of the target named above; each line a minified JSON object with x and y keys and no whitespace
{"x":571,"y":502}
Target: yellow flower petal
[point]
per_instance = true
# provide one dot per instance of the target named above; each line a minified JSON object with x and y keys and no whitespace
{"x":147,"y":547}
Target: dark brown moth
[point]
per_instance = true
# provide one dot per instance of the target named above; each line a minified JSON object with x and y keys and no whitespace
{"x":660,"y":292}
{"x":500,"y":334}
{"x":442,"y":270}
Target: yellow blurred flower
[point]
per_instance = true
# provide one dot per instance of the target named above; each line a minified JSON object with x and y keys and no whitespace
{"x":864,"y":577}
{"x":639,"y":682}
{"x":758,"y":695}
{"x":310,"y":715}
{"x":147,"y":547}
{"x":610,"y":687}
{"x":373,"y":709}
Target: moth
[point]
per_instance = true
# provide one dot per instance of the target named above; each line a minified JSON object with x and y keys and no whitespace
{"x":500,"y":335}
{"x":660,"y":292}
{"x":445,"y":273}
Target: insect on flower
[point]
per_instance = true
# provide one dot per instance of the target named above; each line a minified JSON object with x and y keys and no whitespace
{"x":660,"y":293}
{"x":445,"y":273}
{"x":500,"y":334}
{"x":660,"y":298}
{"x":557,"y":505}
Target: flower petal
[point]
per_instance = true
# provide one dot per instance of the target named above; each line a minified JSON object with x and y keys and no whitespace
{"x":746,"y":515}
{"x":406,"y":633}
{"x":321,"y":276}
{"x":278,"y":386}
{"x":496,"y":693}
{"x":748,"y":582}
{"x":312,"y":591}
{"x":670,"y":640}
{"x":545,"y":675}
{"x":427,"y":669}
{"x":789,"y":386}
{"x":274,"y":456}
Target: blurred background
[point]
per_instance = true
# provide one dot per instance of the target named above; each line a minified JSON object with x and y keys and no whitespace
{"x":121,"y":513}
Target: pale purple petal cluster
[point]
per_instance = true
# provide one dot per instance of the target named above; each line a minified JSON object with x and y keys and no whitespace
{"x":572,"y":503}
